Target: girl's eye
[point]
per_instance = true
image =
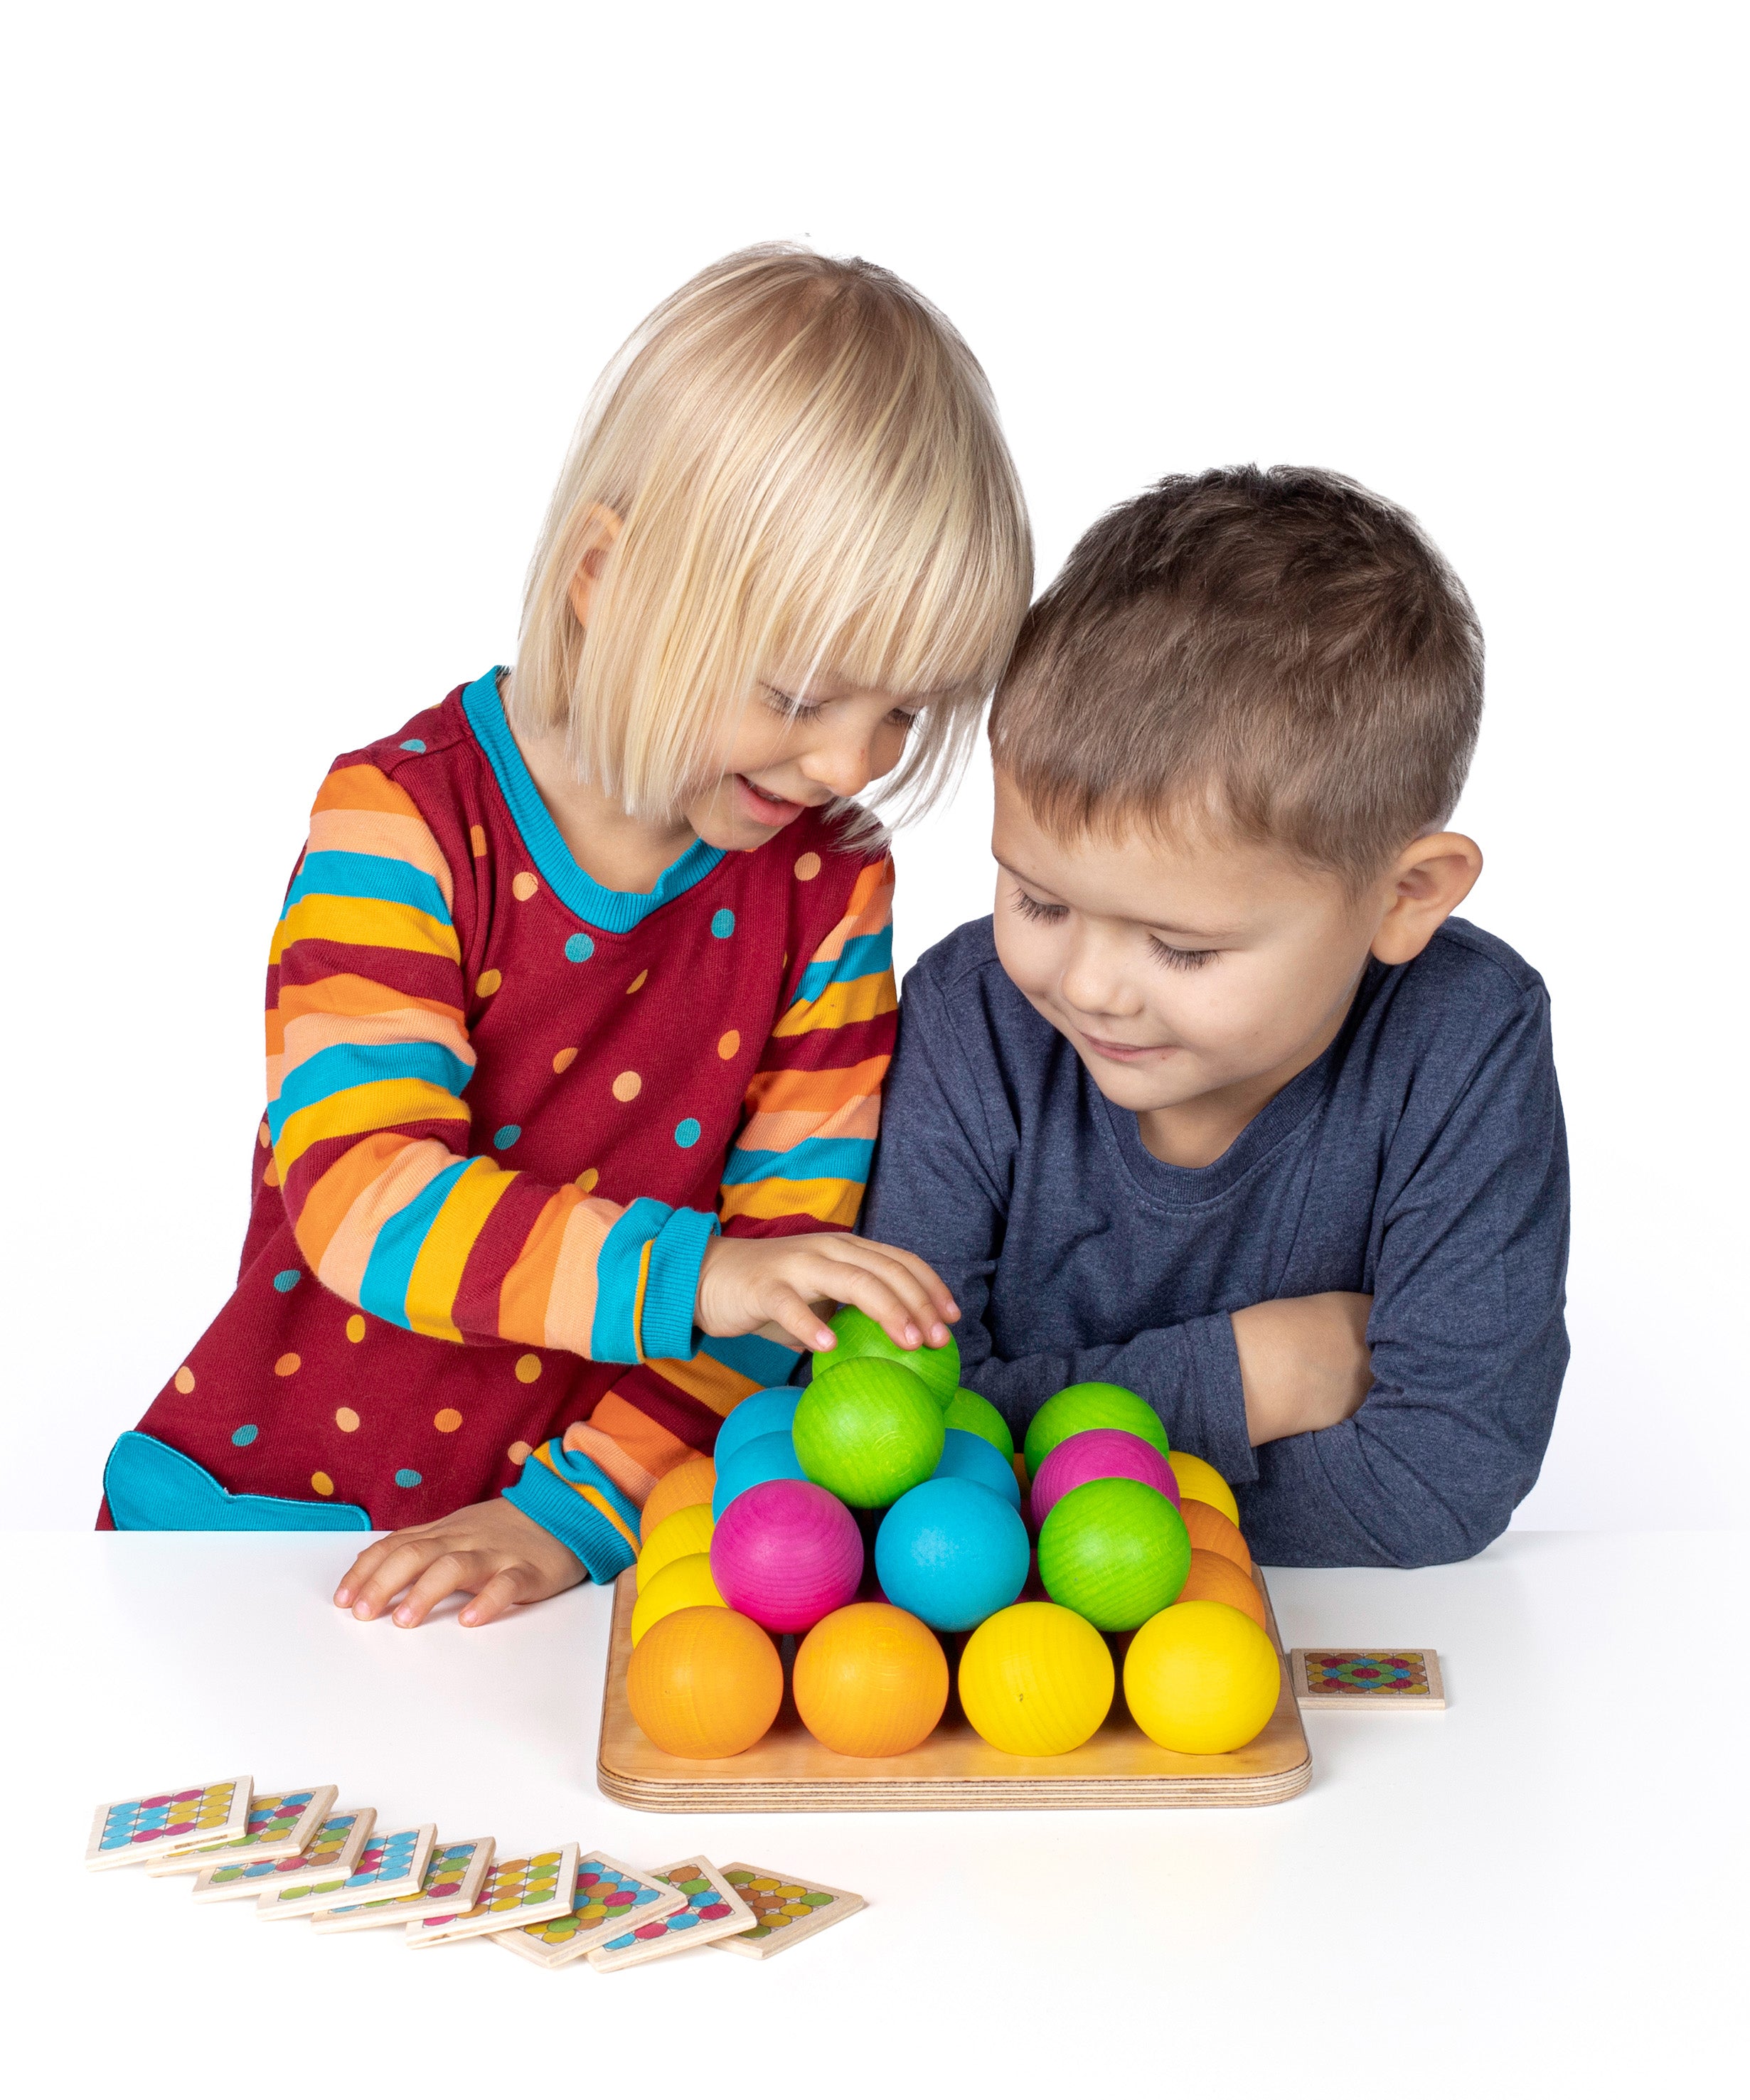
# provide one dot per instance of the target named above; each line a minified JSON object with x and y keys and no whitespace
{"x":1179,"y":959}
{"x":1031,"y":907}
{"x":903,"y":719}
{"x":790,"y":707}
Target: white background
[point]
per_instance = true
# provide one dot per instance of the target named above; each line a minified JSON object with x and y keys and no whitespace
{"x":305,"y":301}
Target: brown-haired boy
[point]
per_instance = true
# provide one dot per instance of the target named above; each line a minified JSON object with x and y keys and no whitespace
{"x":1223,"y":1104}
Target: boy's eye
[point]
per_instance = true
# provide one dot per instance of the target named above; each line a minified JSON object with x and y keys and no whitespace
{"x":1031,"y":907}
{"x":1178,"y":959}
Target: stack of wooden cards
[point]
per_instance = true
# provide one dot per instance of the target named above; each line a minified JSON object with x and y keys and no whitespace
{"x":299,"y":1856}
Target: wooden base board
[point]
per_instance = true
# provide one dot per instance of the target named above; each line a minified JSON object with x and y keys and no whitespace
{"x":789,"y":1773}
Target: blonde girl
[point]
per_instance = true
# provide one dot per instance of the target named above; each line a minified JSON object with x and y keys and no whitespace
{"x":581,"y":999}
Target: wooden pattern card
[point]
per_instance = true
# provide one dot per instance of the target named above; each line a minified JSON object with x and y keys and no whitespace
{"x":1399,"y":1680}
{"x":128,"y":1833}
{"x":609,"y":1896}
{"x":524,"y":1891}
{"x":334,"y":1851}
{"x":712,"y":1912}
{"x":279,"y":1826}
{"x":391,"y":1864}
{"x":788,"y":1909}
{"x":453,"y":1877}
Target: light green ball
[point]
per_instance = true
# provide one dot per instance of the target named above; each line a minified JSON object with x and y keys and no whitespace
{"x":1092,"y":1404}
{"x":1115,"y":1550}
{"x":867,"y":1430}
{"x":861,"y":1336}
{"x":973,"y":1411}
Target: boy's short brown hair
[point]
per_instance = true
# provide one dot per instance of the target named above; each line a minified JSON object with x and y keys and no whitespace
{"x":1277,"y":648}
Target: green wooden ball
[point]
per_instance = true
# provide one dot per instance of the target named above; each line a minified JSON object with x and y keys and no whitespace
{"x":1115,"y":1550}
{"x":867,"y":1430}
{"x":973,"y":1411}
{"x":1092,"y":1404}
{"x":861,"y":1336}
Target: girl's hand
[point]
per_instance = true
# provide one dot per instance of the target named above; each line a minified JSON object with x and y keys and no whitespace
{"x":492,"y":1549}
{"x":744,"y":1285}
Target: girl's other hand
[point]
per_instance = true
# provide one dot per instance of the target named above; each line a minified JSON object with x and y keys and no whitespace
{"x":490,"y":1550}
{"x":745,"y":1284}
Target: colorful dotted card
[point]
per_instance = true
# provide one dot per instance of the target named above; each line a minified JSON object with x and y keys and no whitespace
{"x":516,"y":1892}
{"x":279,"y":1826}
{"x":788,"y":1909}
{"x":1402,"y":1680}
{"x":609,"y":1898}
{"x":453,"y":1877}
{"x":713,"y":1911}
{"x":334,"y":1850}
{"x":391,"y":1864}
{"x":127,"y":1833}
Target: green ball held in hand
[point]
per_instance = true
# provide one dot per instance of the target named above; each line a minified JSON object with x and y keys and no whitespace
{"x":1092,"y":1404}
{"x":1115,"y":1550}
{"x":867,"y":1430}
{"x":971,"y":1411}
{"x":859,"y":1336}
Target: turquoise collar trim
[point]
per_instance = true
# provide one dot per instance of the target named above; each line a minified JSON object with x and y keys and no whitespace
{"x":608,"y":910}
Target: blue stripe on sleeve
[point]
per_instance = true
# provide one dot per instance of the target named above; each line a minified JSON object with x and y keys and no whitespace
{"x":673,"y":1289}
{"x":815,"y":1159}
{"x":390,"y":1268}
{"x":555,"y":1505}
{"x":767,"y":1363}
{"x":344,"y":1065}
{"x":863,"y":957}
{"x":614,"y":1334}
{"x":367,"y":874}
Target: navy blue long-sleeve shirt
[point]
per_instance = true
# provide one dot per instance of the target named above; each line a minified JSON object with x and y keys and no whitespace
{"x":1421,"y":1158}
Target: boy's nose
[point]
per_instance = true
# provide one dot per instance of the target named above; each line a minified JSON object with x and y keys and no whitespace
{"x":1092,"y":987}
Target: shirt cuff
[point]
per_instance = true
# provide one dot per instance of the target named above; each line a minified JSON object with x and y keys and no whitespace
{"x":567,"y":1494}
{"x":1213,"y":1417}
{"x":671,"y":1289}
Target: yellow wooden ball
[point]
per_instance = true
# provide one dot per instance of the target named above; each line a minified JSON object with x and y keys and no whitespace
{"x":705,"y":1684}
{"x":1199,"y":1482}
{"x":1201,"y":1678}
{"x":682,"y":1584}
{"x":1036,"y":1680}
{"x":691,"y":1482}
{"x":682,"y":1532}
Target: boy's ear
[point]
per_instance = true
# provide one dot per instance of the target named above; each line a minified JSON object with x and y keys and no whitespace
{"x":1430,"y":878}
{"x":601,"y":528}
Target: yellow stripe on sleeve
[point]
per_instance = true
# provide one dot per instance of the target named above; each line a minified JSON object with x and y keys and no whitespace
{"x":832,"y":1202}
{"x":364,"y":922}
{"x":381,"y":1104}
{"x":437,"y":1274}
{"x":862,"y":1000}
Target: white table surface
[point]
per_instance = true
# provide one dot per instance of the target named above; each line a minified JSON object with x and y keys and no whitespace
{"x":1542,"y":1890}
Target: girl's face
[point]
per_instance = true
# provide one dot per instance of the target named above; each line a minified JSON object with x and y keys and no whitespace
{"x":794,"y":747}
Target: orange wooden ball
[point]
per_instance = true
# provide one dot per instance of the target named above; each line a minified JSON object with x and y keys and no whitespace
{"x":870,"y":1681}
{"x":1214,"y":1533}
{"x":1215,"y":1580}
{"x":705,"y":1683}
{"x":691,"y":1482}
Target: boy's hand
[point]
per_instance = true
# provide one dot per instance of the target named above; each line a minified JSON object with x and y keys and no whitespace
{"x":1303,"y":1362}
{"x":492,"y":1549}
{"x":744,"y":1285}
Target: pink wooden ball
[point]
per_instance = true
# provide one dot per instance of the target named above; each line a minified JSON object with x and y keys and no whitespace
{"x":1097,"y":1455}
{"x":785,"y":1553}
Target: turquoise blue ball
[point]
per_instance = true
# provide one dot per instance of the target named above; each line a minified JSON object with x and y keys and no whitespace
{"x":966,"y":1457}
{"x":951,"y":1553}
{"x":761,"y":1459}
{"x":758,"y":1415}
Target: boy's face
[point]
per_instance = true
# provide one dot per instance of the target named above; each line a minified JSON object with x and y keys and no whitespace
{"x":1204,"y":969}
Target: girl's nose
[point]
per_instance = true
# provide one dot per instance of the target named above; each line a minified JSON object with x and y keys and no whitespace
{"x":842,"y":765}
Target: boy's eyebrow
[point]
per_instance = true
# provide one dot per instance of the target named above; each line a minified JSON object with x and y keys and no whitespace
{"x":1212,"y":933}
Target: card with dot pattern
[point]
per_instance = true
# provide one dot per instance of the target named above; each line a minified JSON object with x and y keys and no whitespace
{"x":279,"y":1826}
{"x":1367,"y":1680}
{"x":334,"y":1850}
{"x":788,"y":1909}
{"x":391,"y":1864}
{"x":525,"y":1892}
{"x":146,"y":1826}
{"x":609,"y":1896}
{"x":453,"y":1882}
{"x":713,"y":1910}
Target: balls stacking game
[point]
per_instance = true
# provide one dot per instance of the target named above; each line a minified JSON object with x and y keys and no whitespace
{"x":879,"y":1516}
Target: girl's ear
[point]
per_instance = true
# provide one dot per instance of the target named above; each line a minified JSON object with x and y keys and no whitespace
{"x":599,"y":528}
{"x":1432,"y":878}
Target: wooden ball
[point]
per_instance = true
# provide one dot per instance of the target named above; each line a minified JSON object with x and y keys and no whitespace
{"x":1210,"y":1532}
{"x":870,"y":1681}
{"x":1216,"y":1580}
{"x":1201,"y":1678}
{"x":1199,"y":1481}
{"x":682,"y":1584}
{"x":682,"y":1532}
{"x":1036,"y":1680}
{"x":691,"y":1482}
{"x":705,"y":1683}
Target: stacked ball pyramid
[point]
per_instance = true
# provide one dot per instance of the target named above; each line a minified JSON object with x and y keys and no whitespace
{"x":769,"y":1539}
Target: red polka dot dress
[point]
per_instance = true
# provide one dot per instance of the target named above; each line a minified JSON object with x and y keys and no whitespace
{"x":507,"y":1109}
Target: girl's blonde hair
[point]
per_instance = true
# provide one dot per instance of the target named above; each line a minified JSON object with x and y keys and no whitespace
{"x":806,"y":465}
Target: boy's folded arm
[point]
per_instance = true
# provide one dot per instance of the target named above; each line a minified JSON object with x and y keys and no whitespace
{"x":1467,"y":1336}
